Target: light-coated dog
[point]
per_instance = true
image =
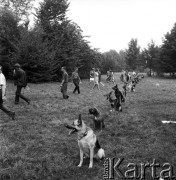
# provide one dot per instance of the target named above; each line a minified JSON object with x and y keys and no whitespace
{"x":87,"y":141}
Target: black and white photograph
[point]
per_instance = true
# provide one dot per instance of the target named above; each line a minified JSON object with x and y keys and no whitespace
{"x":87,"y":89}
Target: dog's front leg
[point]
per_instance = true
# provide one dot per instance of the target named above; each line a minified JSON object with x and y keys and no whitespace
{"x":91,"y":157}
{"x":81,"y":158}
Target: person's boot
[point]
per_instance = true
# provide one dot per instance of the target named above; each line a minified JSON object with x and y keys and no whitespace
{"x":8,"y":112}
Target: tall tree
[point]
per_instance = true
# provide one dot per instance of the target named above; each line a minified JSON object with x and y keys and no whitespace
{"x":21,"y":8}
{"x":111,"y":61}
{"x":9,"y":37}
{"x":168,"y":52}
{"x":132,"y":54}
{"x":151,"y":55}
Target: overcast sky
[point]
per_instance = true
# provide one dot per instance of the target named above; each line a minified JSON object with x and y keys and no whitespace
{"x":113,"y":23}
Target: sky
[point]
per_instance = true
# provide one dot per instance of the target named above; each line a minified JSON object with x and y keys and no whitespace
{"x":111,"y":24}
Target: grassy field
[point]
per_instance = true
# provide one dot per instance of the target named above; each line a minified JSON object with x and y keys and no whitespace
{"x":37,"y":145}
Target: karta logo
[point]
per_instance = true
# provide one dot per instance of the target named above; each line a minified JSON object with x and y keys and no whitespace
{"x":113,"y":170}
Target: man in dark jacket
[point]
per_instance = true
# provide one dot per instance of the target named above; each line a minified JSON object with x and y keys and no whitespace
{"x":64,"y":83}
{"x":76,"y":80}
{"x":20,"y":81}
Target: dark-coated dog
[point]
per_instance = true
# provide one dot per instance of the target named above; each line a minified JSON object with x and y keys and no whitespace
{"x":111,"y":99}
{"x":98,"y":119}
{"x":119,"y":98}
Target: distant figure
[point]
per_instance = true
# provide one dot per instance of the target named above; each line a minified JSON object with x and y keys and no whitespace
{"x":20,"y":80}
{"x":92,"y":75}
{"x":107,"y":74}
{"x":125,"y":79}
{"x":76,"y":80}
{"x":96,"y":79}
{"x":64,"y":83}
{"x":99,"y":74}
{"x":110,"y":76}
{"x":3,"y":96}
{"x":134,"y":73}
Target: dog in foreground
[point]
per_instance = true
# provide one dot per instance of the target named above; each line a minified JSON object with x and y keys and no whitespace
{"x":98,"y":118}
{"x":87,"y":141}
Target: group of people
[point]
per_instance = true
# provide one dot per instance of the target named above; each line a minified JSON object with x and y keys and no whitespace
{"x":130,"y":80}
{"x":20,"y":81}
{"x":110,"y":76}
{"x":75,"y":80}
{"x":95,"y":77}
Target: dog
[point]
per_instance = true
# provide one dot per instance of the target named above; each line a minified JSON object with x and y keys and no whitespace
{"x":87,"y":141}
{"x":111,"y":99}
{"x":119,"y":98}
{"x":131,"y":86}
{"x":98,"y":119}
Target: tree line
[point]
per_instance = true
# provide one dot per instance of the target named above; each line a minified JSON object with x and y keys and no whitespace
{"x":56,"y":41}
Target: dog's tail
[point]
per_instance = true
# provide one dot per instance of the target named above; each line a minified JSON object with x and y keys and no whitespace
{"x":101,"y":152}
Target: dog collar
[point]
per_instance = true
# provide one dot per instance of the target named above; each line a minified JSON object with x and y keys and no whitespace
{"x":83,"y":135}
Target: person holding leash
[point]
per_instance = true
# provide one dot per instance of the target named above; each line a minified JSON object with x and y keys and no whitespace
{"x":20,"y":80}
{"x":76,"y":80}
{"x":3,"y":96}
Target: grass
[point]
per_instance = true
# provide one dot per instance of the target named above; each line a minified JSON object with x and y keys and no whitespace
{"x":37,"y":145}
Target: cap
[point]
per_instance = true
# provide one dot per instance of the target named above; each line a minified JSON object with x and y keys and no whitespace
{"x":17,"y":65}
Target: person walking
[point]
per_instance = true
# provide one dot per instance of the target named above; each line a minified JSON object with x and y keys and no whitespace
{"x":96,"y":79}
{"x":64,"y":83}
{"x":20,"y":80}
{"x":125,"y":79}
{"x":92,"y":76}
{"x":3,"y":96}
{"x":76,"y":80}
{"x":99,"y":75}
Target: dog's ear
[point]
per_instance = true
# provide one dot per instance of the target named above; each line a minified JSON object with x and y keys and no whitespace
{"x":80,"y":119}
{"x":96,"y":112}
{"x":96,"y":109}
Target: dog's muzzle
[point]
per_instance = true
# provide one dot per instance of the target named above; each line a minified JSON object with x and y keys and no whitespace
{"x":73,"y":129}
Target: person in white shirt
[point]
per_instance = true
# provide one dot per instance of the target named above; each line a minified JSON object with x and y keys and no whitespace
{"x":3,"y":96}
{"x":96,"y":79}
{"x":92,"y":76}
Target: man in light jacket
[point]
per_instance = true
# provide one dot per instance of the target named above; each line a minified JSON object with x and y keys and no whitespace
{"x":3,"y":97}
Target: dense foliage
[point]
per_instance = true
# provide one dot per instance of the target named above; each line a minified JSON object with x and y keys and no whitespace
{"x":55,"y":41}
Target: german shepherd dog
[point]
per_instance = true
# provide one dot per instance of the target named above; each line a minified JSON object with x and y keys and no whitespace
{"x":119,"y":98}
{"x":111,"y":99}
{"x":87,"y":141}
{"x":98,"y":118}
